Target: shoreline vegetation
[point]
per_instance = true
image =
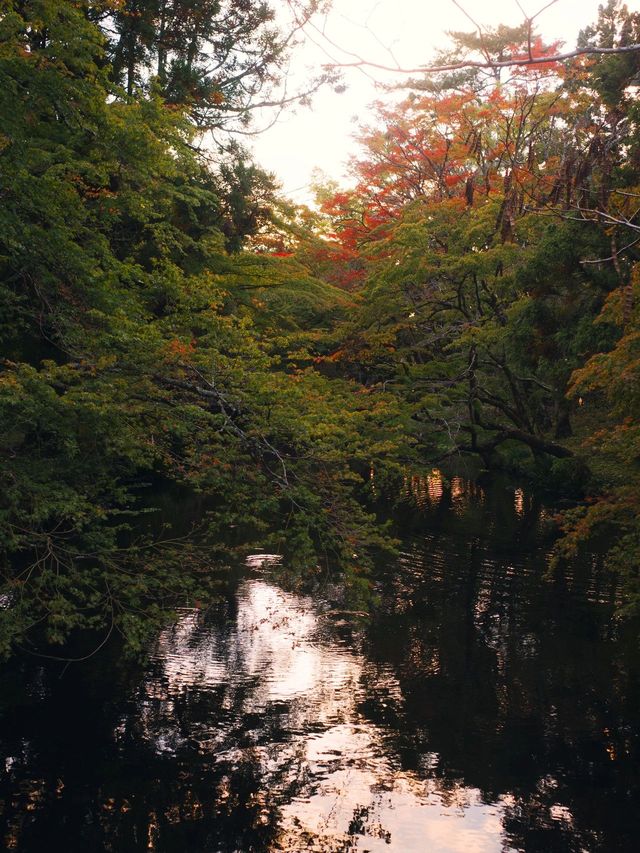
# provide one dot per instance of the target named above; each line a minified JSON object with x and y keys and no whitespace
{"x":168,"y":318}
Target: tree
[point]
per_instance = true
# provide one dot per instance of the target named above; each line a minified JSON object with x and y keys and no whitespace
{"x":484,"y":49}
{"x":140,"y":345}
{"x":497,"y":222}
{"x":221,"y":59}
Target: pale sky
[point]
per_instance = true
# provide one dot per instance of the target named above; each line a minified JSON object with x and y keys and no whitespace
{"x":320,"y":137}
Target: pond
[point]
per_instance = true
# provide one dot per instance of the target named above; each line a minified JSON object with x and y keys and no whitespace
{"x":481,"y":708}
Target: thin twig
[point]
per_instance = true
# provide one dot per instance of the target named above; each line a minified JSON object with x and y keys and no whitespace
{"x":611,"y":257}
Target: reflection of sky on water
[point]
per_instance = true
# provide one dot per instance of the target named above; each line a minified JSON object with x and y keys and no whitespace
{"x":279,"y":657}
{"x":481,"y":709}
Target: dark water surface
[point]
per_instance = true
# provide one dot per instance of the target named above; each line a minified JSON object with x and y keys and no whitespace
{"x":481,"y":709}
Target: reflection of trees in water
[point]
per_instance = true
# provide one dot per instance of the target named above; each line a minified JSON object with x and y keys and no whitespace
{"x":235,"y":704}
{"x":483,"y":708}
{"x":296,"y":760}
{"x":514,"y":686}
{"x":310,"y":756}
{"x":227,"y":700}
{"x":252,"y":698}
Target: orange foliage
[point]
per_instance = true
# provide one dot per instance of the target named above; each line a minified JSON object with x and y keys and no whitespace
{"x":179,"y":350}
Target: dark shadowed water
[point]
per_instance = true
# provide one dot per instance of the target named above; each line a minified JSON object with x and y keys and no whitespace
{"x":481,"y":709}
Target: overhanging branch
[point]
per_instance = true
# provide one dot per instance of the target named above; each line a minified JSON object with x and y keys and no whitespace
{"x":512,"y":62}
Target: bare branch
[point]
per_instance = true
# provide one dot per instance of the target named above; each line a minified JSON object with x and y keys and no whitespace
{"x":529,"y":24}
{"x":505,"y":63}
{"x":544,"y":9}
{"x":611,"y":257}
{"x":485,"y":52}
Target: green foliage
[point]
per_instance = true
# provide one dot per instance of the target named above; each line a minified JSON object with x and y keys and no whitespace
{"x":495,"y":226}
{"x":167,"y":320}
{"x":141,"y":343}
{"x":218,"y":59}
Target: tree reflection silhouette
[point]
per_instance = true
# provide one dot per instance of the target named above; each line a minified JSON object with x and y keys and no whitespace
{"x":481,"y":709}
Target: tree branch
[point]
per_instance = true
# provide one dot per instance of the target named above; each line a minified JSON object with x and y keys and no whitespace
{"x":514,"y":61}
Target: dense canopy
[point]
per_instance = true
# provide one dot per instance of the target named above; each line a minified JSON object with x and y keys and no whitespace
{"x":170,"y":323}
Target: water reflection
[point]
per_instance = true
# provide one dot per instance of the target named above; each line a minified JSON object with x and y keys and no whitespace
{"x":429,"y":491}
{"x":482,"y":709}
{"x":282,"y":658}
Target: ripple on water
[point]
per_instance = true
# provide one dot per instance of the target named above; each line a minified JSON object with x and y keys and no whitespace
{"x":289,"y":700}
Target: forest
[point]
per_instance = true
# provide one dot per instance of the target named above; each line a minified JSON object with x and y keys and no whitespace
{"x":171,"y":325}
